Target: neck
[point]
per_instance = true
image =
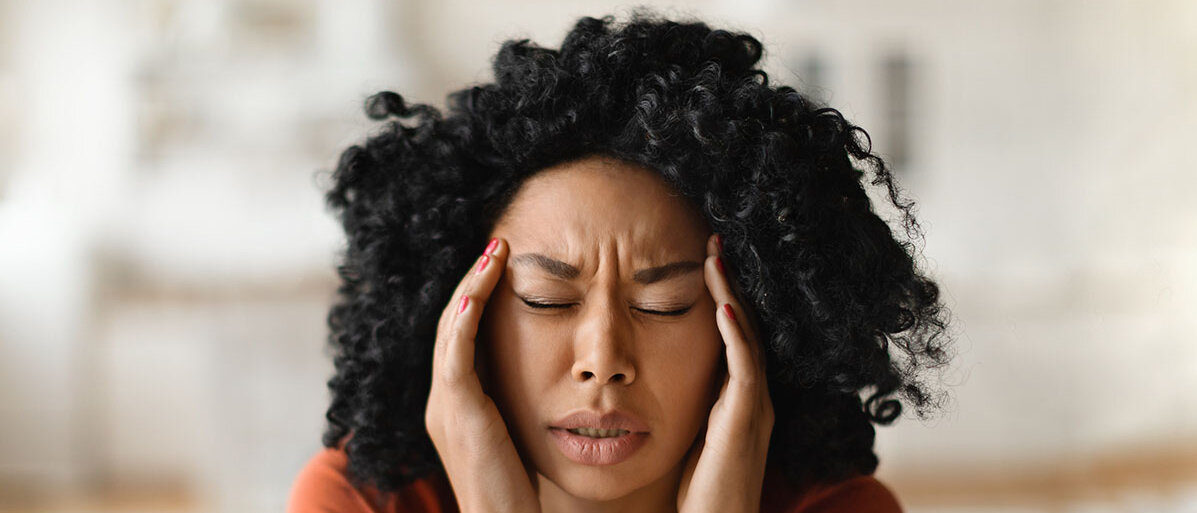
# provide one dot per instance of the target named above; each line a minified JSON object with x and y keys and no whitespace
{"x":656,"y":497}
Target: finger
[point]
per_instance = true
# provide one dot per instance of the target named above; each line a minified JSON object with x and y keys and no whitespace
{"x":742,"y":367}
{"x":459,"y":352}
{"x":715,"y":247}
{"x":449,"y":312}
{"x":742,"y":357}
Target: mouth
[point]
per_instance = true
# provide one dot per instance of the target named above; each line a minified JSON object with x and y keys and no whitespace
{"x":592,"y":438}
{"x":601,"y":425}
{"x":580,"y":447}
{"x":598,"y":433}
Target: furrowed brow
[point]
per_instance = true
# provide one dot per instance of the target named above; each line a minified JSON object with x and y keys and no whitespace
{"x":548,"y":264}
{"x":664,"y":272}
{"x":566,"y":271}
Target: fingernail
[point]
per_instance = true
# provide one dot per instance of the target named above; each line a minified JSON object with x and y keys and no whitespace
{"x":481,"y":266}
{"x":490,"y":248}
{"x":719,"y":242}
{"x":727,"y":309}
{"x":465,"y":300}
{"x":719,"y":264}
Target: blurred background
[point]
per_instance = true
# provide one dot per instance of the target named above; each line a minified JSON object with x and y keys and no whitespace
{"x":166,"y":261}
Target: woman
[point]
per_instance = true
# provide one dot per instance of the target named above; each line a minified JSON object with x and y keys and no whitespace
{"x":657,"y":281}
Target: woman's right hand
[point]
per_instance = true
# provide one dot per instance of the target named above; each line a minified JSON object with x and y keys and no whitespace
{"x":463,"y":422}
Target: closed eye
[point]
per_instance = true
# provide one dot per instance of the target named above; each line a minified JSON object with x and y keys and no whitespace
{"x":670,"y":313}
{"x":546,"y":305}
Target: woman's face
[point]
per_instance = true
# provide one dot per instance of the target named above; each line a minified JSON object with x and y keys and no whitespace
{"x":585,"y":237}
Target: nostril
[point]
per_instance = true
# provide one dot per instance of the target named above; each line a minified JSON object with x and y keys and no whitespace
{"x":615,"y":378}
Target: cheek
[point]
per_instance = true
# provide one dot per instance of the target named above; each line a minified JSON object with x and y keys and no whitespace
{"x":517,"y":356}
{"x":686,"y":368}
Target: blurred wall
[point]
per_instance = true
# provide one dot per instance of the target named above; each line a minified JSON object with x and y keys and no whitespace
{"x":166,"y":262}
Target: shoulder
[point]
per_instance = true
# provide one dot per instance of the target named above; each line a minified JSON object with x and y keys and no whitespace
{"x":858,"y":494}
{"x":324,"y":486}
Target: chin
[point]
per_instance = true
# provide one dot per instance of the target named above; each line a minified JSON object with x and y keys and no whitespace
{"x":599,"y":483}
{"x":606,"y":482}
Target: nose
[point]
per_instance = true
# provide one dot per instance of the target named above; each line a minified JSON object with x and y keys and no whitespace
{"x":603,"y":348}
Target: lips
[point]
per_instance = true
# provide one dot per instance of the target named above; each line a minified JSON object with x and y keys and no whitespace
{"x":599,"y":451}
{"x":614,"y":419}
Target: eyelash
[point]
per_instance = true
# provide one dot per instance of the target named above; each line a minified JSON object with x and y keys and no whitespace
{"x":670,"y":313}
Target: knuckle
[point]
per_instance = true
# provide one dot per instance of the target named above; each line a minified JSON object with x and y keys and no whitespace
{"x":431,"y":420}
{"x":452,"y":331}
{"x":745,"y":383}
{"x":452,"y":378}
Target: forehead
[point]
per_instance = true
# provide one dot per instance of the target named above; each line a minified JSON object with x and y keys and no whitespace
{"x":601,"y":198}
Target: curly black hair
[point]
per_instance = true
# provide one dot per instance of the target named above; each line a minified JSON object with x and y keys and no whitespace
{"x":840,"y":302}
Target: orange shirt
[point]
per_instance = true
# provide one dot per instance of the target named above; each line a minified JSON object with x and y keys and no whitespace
{"x":323,"y":487}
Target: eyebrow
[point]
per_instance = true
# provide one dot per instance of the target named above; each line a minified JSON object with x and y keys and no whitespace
{"x":568,"y":272}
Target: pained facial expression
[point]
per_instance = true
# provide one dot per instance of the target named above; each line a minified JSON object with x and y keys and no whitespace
{"x":602,"y":346}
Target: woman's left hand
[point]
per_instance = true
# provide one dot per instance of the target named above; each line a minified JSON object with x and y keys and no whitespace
{"x":726,"y":469}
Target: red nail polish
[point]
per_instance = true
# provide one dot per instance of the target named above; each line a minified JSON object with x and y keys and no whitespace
{"x":481,"y":266}
{"x":490,"y":248}
{"x":719,"y":242}
{"x":465,"y":300}
{"x":719,"y":264}
{"x":727,"y":309}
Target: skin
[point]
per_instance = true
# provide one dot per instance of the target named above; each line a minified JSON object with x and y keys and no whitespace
{"x":696,"y":378}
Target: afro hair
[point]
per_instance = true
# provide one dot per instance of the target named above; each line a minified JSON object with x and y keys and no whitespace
{"x":848,"y":321}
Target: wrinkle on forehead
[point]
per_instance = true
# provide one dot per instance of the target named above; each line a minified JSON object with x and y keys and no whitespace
{"x":595,"y":210}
